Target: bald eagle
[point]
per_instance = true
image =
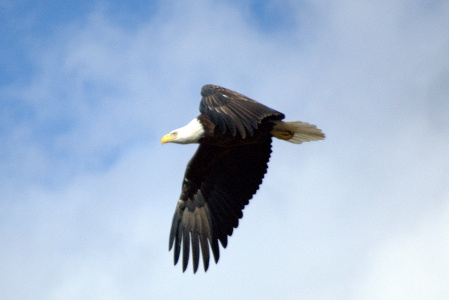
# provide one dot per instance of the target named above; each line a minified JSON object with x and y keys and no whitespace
{"x":234,"y":134}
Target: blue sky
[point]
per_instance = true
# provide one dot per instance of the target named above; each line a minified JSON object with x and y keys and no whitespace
{"x":88,"y":192}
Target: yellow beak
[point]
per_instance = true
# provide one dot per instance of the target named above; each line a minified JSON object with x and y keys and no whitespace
{"x":167,"y":138}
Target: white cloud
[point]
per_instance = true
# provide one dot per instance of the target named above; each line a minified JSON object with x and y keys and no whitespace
{"x":412,"y":264}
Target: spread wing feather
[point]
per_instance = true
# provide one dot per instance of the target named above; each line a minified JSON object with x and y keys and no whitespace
{"x":218,"y":183}
{"x":233,"y":112}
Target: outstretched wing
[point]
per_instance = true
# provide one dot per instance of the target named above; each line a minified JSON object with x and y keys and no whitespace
{"x":234,"y":112}
{"x":218,"y":183}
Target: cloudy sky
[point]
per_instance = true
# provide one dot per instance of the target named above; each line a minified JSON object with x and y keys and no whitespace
{"x":87,"y":192}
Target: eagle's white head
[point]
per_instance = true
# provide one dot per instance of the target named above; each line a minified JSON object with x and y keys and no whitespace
{"x":191,"y":133}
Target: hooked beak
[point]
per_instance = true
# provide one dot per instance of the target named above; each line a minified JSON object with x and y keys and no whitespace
{"x":167,"y":138}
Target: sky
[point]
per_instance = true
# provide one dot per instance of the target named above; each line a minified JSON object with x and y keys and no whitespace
{"x":87,"y":89}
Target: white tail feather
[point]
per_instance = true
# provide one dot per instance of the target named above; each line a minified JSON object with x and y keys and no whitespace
{"x":297,"y":132}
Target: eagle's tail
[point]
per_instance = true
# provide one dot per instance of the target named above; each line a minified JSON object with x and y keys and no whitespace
{"x":296,"y":132}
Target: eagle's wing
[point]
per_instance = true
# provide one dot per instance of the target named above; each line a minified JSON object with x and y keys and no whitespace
{"x":218,"y":183}
{"x":233,"y":112}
